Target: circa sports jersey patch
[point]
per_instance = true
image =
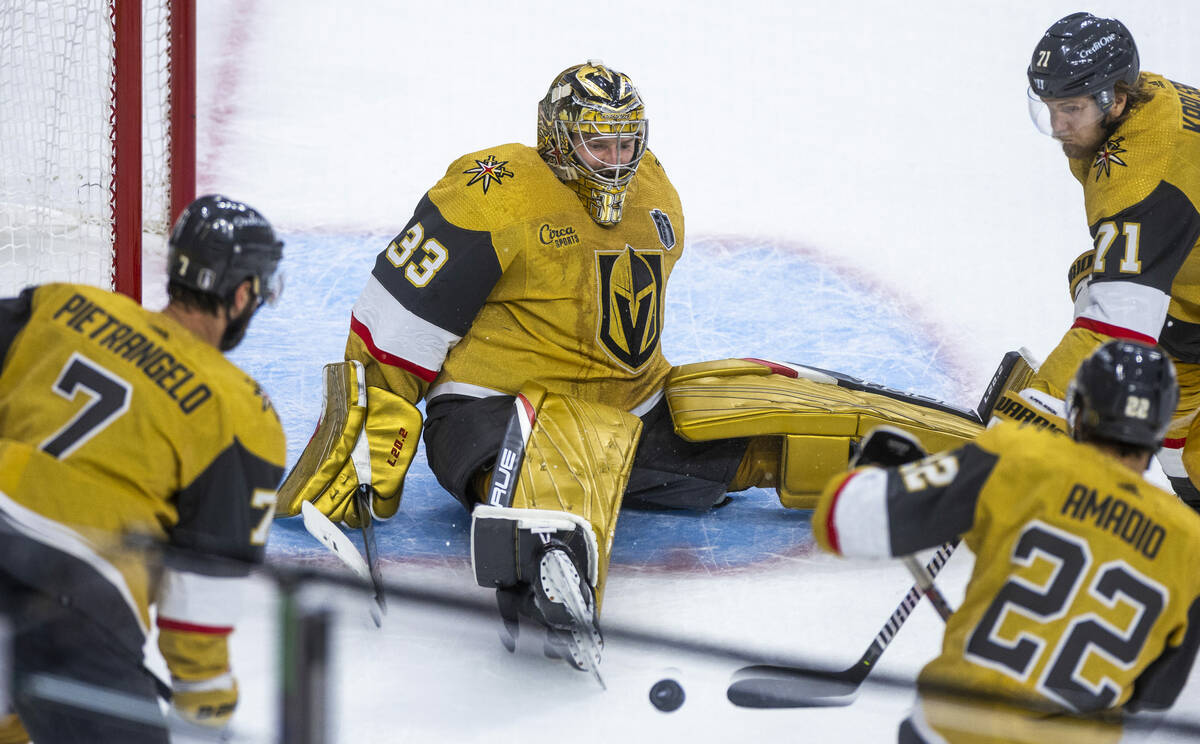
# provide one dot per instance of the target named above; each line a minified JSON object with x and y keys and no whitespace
{"x":631,"y":297}
{"x":557,"y":236}
{"x":666,"y":232}
{"x":487,"y":170}
{"x":1108,"y":156}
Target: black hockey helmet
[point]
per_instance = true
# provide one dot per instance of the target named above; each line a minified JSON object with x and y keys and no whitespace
{"x":1083,"y":55}
{"x":1124,"y":392}
{"x":217,"y":243}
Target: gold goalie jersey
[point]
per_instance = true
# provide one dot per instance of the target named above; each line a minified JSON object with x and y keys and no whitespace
{"x":501,"y":277}
{"x":1084,"y":595}
{"x":1141,"y":190}
{"x":116,"y":420}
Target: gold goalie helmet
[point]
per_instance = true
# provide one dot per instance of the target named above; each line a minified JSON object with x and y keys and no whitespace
{"x":592,"y":132}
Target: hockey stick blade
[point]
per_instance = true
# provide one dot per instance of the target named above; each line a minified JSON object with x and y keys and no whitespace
{"x":768,"y":686}
{"x":362,"y":499}
{"x":328,"y":534}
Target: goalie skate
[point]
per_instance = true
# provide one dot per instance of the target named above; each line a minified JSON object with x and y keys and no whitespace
{"x":566,"y":605}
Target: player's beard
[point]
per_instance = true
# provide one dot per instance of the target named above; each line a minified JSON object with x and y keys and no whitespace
{"x":236,"y":327}
{"x":1079,"y":152}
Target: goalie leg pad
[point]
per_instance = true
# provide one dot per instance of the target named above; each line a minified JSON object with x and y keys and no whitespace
{"x":343,"y":408}
{"x":1015,"y":373}
{"x":819,"y":419}
{"x":808,"y":464}
{"x":577,"y":462}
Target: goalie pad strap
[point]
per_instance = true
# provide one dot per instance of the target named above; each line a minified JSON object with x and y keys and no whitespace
{"x":504,"y":567}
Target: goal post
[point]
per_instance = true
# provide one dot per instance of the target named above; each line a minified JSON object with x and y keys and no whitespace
{"x":97,"y":138}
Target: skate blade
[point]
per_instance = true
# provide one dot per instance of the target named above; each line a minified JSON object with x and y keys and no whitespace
{"x":564,"y":580}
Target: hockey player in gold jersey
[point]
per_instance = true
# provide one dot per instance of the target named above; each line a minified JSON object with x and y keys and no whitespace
{"x":1132,"y":138}
{"x":116,"y":423}
{"x":1083,"y":601}
{"x":536,"y":276}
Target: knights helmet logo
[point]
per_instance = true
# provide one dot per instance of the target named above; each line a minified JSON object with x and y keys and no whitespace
{"x":631,"y":309}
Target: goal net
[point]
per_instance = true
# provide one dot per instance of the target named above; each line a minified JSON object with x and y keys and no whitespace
{"x":96,"y":138}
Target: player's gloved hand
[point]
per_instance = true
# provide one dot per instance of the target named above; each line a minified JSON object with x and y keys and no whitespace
{"x":206,"y":703}
{"x":886,"y":447}
{"x":1081,"y":271}
{"x":366,"y":434}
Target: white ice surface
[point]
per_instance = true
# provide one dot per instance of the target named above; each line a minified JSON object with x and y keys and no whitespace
{"x":886,"y":141}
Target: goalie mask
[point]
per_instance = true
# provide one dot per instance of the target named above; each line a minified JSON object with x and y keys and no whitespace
{"x":592,"y":132}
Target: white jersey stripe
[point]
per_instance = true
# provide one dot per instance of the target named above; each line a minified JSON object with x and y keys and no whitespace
{"x":400,"y":333}
{"x":860,"y":516}
{"x":195,"y":599}
{"x":1134,"y":307}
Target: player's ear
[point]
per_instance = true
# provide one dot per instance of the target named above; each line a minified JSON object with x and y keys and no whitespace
{"x":1118,"y":107}
{"x":242,"y":296}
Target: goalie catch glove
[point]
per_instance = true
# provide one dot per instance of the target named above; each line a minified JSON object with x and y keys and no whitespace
{"x":887,"y":447}
{"x":366,"y":435}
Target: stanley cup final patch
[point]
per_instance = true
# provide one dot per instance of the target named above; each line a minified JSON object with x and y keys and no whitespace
{"x":666,"y":233}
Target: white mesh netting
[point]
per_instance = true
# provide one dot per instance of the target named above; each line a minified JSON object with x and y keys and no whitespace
{"x":56,"y":139}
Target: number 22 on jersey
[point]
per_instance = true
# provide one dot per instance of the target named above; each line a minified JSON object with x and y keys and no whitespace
{"x":1019,"y":627}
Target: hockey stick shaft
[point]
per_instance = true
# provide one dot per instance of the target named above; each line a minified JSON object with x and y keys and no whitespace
{"x":328,"y":534}
{"x":925,"y":581}
{"x":362,"y":499}
{"x":906,"y":606}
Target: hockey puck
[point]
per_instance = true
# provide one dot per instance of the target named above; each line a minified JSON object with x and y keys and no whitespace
{"x":666,"y":695}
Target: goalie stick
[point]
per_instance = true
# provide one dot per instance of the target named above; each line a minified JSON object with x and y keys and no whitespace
{"x":769,"y":686}
{"x":328,"y":534}
{"x":366,"y":519}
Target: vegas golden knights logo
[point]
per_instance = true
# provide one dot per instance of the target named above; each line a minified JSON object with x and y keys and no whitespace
{"x":630,"y":305}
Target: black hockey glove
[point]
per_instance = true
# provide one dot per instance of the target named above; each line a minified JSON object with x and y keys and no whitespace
{"x":887,"y":447}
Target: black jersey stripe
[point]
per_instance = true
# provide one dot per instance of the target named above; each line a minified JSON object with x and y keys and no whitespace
{"x":216,"y":516}
{"x":938,"y":513}
{"x":457,"y":289}
{"x":72,"y":581}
